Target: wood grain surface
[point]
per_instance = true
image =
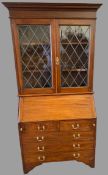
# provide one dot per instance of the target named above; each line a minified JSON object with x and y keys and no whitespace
{"x":56,"y":108}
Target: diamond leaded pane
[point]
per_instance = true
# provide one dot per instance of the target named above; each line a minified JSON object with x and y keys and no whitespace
{"x":35,"y":55}
{"x":74,"y":54}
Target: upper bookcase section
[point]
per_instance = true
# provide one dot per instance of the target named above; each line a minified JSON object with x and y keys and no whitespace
{"x":53,"y":46}
{"x":55,"y":10}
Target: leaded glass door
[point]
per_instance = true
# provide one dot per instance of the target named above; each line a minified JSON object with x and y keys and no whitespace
{"x":75,"y":38}
{"x":54,"y":56}
{"x":35,"y":38}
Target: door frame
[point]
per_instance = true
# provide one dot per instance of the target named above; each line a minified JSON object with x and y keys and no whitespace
{"x":15,"y":34}
{"x":92,"y":24}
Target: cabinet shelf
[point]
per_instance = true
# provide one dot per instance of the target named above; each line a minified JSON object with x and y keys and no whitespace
{"x":63,"y":70}
{"x":65,"y":43}
{"x":74,"y":70}
{"x":74,"y":43}
{"x":40,"y":70}
{"x":35,"y":43}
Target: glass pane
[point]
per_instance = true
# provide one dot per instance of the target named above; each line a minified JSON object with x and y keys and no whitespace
{"x":74,"y":54}
{"x":35,"y":47}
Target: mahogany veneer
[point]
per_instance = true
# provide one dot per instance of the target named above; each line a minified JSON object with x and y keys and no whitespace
{"x":49,"y":107}
{"x":54,"y":57}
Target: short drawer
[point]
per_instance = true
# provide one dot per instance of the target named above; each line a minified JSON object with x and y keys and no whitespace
{"x":83,"y":125}
{"x":32,"y":128}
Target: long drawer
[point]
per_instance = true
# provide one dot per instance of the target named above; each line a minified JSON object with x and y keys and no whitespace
{"x":84,"y":156}
{"x":58,"y":137}
{"x":33,"y":147}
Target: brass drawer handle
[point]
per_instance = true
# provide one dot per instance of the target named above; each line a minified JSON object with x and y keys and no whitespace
{"x":40,"y":139}
{"x":76,"y":155}
{"x":41,"y":158}
{"x":21,"y":129}
{"x":41,"y":128}
{"x":76,"y":136}
{"x":76,"y":145}
{"x":75,"y":127}
{"x":41,"y":149}
{"x":94,"y":124}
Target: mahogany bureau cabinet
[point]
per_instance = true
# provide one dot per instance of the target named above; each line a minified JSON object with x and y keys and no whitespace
{"x":54,"y":57}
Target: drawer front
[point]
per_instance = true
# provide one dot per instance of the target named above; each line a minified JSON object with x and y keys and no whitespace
{"x":58,"y":137}
{"x":63,"y":156}
{"x":32,"y":147}
{"x":77,"y":125}
{"x":84,"y":156}
{"x":29,"y":129}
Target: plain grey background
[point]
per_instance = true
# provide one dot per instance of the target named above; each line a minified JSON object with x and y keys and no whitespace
{"x":10,"y":157}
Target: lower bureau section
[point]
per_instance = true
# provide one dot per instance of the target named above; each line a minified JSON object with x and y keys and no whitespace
{"x":86,"y":156}
{"x":54,"y":141}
